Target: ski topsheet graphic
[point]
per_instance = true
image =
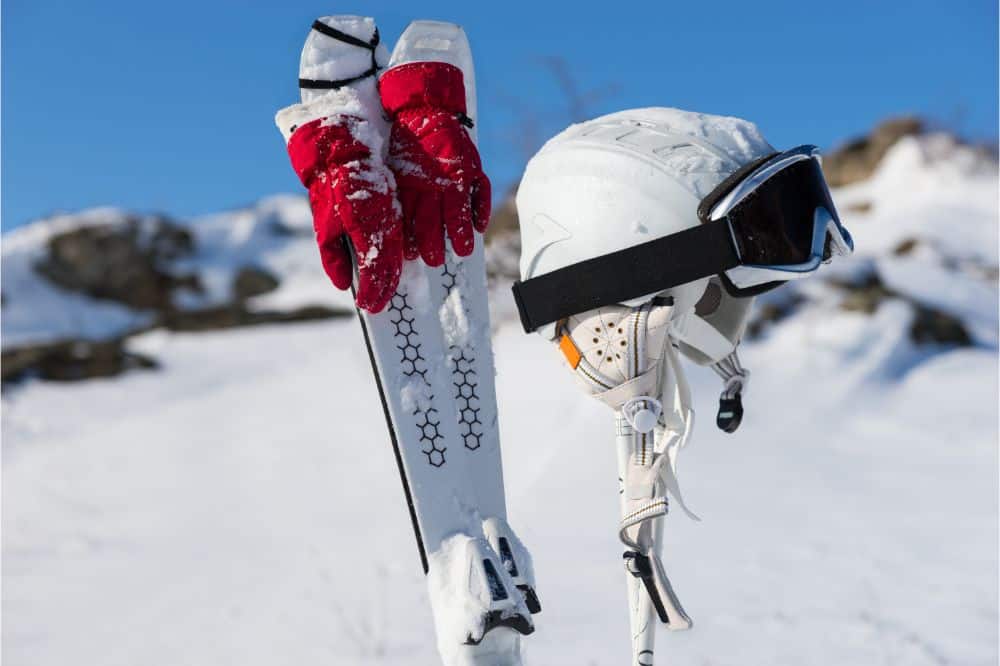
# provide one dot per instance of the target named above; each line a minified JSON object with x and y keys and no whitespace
{"x":430,"y":345}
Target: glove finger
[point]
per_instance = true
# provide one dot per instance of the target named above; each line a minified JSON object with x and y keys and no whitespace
{"x":457,"y":213}
{"x":481,"y":203}
{"x":429,"y":230}
{"x":333,"y":253}
{"x":376,"y":231}
{"x":408,"y":202}
{"x":378,"y":280}
{"x":326,"y":223}
{"x":337,"y":262}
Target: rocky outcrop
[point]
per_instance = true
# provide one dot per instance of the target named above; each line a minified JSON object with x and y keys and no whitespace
{"x":127,"y":262}
{"x":503,"y":218}
{"x":503,"y":241}
{"x":72,"y":360}
{"x":252,"y":281}
{"x":857,"y":159}
{"x":235,"y":316}
{"x":930,"y":325}
{"x":771,"y":309}
{"x":69,"y":360}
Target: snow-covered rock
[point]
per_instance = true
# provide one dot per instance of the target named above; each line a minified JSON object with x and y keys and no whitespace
{"x":926,"y":235}
{"x":89,"y":280}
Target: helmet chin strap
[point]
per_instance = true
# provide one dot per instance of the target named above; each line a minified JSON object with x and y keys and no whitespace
{"x":649,"y":479}
{"x":648,"y":390}
{"x":675,"y":430}
{"x":625,"y":357}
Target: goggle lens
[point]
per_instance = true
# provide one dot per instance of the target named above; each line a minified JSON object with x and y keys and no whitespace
{"x":774,"y":224}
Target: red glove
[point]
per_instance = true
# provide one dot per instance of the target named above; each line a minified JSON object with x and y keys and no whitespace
{"x":441,"y":181}
{"x":351,"y":195}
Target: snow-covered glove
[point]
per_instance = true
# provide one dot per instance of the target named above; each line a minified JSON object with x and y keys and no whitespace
{"x":352,"y":194}
{"x":442,"y":186}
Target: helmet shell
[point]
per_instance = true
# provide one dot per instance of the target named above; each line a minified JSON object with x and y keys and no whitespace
{"x":624,"y":179}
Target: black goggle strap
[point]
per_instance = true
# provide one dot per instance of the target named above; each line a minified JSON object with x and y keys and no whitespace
{"x":653,"y":266}
{"x":318,"y":84}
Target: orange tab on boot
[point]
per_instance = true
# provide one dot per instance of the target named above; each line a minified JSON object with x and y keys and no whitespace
{"x":570,"y":351}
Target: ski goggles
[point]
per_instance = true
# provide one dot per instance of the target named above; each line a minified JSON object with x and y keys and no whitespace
{"x":771,"y":221}
{"x":782,"y":220}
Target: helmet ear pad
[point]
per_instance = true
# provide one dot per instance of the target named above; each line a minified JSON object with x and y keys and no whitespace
{"x":725,"y":313}
{"x":687,"y":296}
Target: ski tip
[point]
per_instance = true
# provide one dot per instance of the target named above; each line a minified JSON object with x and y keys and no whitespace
{"x":434,"y":41}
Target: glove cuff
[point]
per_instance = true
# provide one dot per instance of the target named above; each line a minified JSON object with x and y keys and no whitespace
{"x":319,"y":143}
{"x":434,"y":84}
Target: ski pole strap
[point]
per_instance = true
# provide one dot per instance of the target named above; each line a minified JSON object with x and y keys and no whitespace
{"x":340,"y":36}
{"x":648,"y":268}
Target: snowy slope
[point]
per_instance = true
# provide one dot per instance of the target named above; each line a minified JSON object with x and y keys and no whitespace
{"x":241,"y":506}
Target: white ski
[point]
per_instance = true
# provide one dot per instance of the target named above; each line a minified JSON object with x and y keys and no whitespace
{"x":432,"y":352}
{"x":465,"y":319}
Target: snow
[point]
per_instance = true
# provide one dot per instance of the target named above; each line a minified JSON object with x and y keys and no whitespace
{"x":967,"y":297}
{"x":930,"y":188}
{"x":241,"y":505}
{"x":454,"y":319}
{"x":839,"y":526}
{"x":461,"y":597}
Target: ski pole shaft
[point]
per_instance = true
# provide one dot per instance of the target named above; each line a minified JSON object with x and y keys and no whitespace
{"x":642,"y":615}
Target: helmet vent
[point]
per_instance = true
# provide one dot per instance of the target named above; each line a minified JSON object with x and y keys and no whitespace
{"x":663,"y":150}
{"x":632,"y":137}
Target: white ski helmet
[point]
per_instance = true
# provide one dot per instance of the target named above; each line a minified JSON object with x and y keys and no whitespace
{"x":624,"y":179}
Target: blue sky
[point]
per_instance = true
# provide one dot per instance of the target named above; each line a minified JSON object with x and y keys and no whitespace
{"x":168,"y":106}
